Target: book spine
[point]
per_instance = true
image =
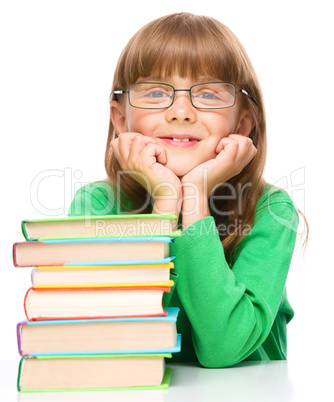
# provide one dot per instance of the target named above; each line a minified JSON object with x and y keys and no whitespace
{"x":15,"y":254}
{"x":25,"y":302}
{"x":24,"y":230}
{"x":19,"y":375}
{"x":18,"y":334}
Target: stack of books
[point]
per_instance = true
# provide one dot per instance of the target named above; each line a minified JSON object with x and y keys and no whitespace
{"x":95,"y":315}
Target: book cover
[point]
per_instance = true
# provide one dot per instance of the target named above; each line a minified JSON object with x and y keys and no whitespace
{"x":93,"y":373}
{"x":99,"y":226}
{"x":102,"y":276}
{"x":102,"y":251}
{"x":100,"y":336}
{"x":75,"y":303}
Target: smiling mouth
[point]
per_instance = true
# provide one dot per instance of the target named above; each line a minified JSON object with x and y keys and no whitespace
{"x":180,"y":139}
{"x":180,"y":142}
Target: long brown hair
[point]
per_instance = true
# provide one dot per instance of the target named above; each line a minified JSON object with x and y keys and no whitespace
{"x":194,"y":46}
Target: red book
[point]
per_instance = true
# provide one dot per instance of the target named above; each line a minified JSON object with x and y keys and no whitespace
{"x":101,"y":251}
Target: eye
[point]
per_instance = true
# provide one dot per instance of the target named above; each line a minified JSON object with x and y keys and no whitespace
{"x":150,"y":95}
{"x":207,"y":95}
{"x":153,"y":91}
{"x":207,"y":92}
{"x":157,"y":94}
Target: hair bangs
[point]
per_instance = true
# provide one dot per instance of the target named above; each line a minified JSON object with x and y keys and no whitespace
{"x":192,"y":58}
{"x":175,"y":47}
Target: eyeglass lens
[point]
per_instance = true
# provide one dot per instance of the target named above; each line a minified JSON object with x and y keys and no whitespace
{"x":206,"y":96}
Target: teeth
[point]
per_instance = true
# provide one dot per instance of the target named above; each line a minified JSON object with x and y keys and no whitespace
{"x":181,"y":139}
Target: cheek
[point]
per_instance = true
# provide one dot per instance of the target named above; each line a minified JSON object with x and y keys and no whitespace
{"x":219,"y":128}
{"x":131,"y":120}
{"x":221,"y":122}
{"x":228,"y":122}
{"x":143,"y":121}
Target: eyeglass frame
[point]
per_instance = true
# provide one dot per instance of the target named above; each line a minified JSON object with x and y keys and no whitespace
{"x":127,"y":91}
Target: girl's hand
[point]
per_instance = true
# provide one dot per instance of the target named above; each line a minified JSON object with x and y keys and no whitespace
{"x":143,"y":159}
{"x":234,"y":152}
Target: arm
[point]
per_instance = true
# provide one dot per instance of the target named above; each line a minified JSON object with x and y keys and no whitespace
{"x":95,"y":198}
{"x":232,"y":311}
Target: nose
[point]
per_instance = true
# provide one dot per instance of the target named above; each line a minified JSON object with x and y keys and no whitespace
{"x":181,"y":109}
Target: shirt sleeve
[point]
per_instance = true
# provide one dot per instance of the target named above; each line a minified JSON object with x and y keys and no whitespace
{"x":231,"y":311}
{"x":94,"y":199}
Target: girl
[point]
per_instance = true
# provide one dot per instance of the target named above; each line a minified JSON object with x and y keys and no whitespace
{"x":188,"y":136}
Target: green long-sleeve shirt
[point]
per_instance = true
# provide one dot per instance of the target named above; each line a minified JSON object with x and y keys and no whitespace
{"x":226,"y":314}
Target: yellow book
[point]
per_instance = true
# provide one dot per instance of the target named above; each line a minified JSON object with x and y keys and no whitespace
{"x":102,"y":276}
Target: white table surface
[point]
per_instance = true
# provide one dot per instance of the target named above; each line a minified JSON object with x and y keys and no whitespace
{"x":274,"y":381}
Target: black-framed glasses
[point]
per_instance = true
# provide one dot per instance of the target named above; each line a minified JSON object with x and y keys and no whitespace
{"x":155,"y":95}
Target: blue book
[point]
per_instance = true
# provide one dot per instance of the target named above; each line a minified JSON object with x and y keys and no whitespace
{"x":100,"y":336}
{"x":100,"y":251}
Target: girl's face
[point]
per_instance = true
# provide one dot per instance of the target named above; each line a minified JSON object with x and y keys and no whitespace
{"x":172,"y":127}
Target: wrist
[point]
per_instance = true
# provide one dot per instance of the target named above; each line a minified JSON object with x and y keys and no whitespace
{"x":195,"y":204}
{"x":168,"y":204}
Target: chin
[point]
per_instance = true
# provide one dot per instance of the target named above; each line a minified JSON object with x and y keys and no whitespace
{"x":179,"y":169}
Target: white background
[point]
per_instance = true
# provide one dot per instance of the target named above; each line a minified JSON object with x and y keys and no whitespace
{"x":57,"y":63}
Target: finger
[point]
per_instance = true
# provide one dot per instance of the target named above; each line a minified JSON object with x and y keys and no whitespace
{"x":229,"y":149}
{"x":154,"y":153}
{"x":115,"y":147}
{"x":252,"y":152}
{"x":138,"y":144}
{"x":129,"y":137}
{"x":233,"y":137}
{"x":161,"y":155}
{"x":222,"y":143}
{"x":237,"y":137}
{"x":247,"y":148}
{"x":125,"y":143}
{"x":245,"y":155}
{"x":245,"y":144}
{"x":241,"y":139}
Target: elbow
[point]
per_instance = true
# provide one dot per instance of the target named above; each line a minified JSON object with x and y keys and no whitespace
{"x":219,"y":360}
{"x":235,"y":343}
{"x":228,"y":352}
{"x":218,"y":364}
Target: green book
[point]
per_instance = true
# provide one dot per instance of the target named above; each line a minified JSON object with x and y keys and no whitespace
{"x":99,"y":226}
{"x":65,"y":373}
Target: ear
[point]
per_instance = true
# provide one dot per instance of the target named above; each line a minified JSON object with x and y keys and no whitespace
{"x":246,"y":123}
{"x":117,"y":116}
